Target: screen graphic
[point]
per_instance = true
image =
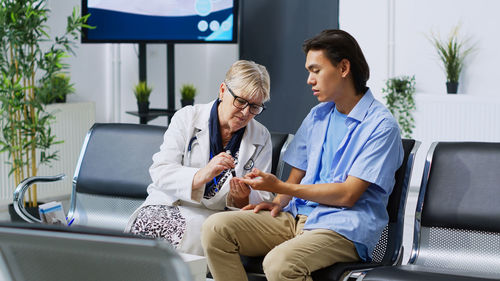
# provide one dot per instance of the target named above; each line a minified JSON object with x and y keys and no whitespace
{"x":160,"y":20}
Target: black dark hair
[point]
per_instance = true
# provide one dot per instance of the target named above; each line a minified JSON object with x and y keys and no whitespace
{"x":338,"y":45}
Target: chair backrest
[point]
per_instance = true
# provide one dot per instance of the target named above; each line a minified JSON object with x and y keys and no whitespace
{"x":44,"y":252}
{"x":280,"y":143}
{"x":457,"y":219}
{"x":112,"y":173}
{"x":388,"y":249}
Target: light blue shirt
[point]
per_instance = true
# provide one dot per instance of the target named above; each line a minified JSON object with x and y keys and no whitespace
{"x":335,"y":133}
{"x":371,"y":150}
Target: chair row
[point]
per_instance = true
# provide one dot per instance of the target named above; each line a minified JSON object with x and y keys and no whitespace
{"x":461,"y":205}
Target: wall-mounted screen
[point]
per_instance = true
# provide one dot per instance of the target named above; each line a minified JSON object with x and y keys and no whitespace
{"x":175,"y":21}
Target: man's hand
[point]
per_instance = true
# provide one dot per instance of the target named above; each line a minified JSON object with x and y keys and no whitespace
{"x":275,"y":208}
{"x":261,"y":181}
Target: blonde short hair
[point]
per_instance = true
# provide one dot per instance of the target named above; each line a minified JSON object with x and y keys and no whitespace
{"x":250,"y":78}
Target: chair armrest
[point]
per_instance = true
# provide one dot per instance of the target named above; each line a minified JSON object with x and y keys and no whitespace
{"x":21,"y":190}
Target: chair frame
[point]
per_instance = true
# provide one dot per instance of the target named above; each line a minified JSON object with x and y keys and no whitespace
{"x":420,"y":204}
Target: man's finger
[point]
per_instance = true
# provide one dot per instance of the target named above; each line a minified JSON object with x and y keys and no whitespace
{"x":248,"y":207}
{"x":257,"y":172}
{"x":249,"y":182}
{"x":262,"y":206}
{"x":275,"y":211}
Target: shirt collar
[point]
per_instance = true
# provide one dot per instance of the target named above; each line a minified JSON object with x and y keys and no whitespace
{"x":358,"y":113}
{"x":361,"y":108}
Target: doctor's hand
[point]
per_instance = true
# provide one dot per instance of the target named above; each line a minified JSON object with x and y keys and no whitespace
{"x":275,"y":208}
{"x":239,"y":192}
{"x":261,"y":181}
{"x":215,"y":166}
{"x":238,"y":189}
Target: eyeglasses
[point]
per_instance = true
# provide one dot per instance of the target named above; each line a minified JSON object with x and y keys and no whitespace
{"x":242,"y":103}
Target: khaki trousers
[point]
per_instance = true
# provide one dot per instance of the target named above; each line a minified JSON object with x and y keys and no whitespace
{"x":290,"y":253}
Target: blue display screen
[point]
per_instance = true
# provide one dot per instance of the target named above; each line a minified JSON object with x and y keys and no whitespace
{"x":160,"y":21}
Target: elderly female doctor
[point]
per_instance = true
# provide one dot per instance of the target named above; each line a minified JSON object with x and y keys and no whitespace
{"x":204,"y":147}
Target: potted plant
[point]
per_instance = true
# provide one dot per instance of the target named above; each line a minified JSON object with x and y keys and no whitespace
{"x":25,"y":123}
{"x":142,"y":92}
{"x":452,"y":53}
{"x":188,"y":92}
{"x":400,"y":100}
{"x":55,"y":90}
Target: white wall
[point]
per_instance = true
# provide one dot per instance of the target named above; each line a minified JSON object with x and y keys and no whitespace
{"x":106,"y":73}
{"x":394,"y":37}
{"x":368,"y":21}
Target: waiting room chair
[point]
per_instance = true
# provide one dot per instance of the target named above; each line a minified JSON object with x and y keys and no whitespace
{"x":48,"y":252}
{"x":112,"y":174}
{"x":280,"y":143}
{"x":389,"y":248}
{"x":457,"y":218}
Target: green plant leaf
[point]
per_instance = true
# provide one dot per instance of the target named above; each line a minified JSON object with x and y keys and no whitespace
{"x":399,"y":92}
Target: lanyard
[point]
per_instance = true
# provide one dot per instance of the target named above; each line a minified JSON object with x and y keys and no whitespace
{"x":215,"y":178}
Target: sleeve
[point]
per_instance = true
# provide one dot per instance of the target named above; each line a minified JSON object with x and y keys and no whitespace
{"x":380,"y":157}
{"x":167,"y":172}
{"x":296,"y":154}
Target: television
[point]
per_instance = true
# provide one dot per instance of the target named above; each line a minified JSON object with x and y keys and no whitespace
{"x":161,"y":21}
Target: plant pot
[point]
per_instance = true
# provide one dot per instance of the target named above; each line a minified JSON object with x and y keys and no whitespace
{"x":186,"y":102}
{"x":143,"y":107}
{"x":14,"y":217}
{"x":451,"y":87}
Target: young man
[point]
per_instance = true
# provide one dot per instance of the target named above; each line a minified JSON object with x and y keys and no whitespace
{"x":332,"y":208}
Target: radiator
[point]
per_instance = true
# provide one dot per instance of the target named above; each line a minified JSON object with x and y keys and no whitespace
{"x":453,"y":118}
{"x":73,"y":120}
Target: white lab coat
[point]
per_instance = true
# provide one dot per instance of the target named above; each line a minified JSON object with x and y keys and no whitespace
{"x":174,"y":167}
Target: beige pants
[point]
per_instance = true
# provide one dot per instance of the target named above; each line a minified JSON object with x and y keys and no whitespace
{"x":290,"y":253}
